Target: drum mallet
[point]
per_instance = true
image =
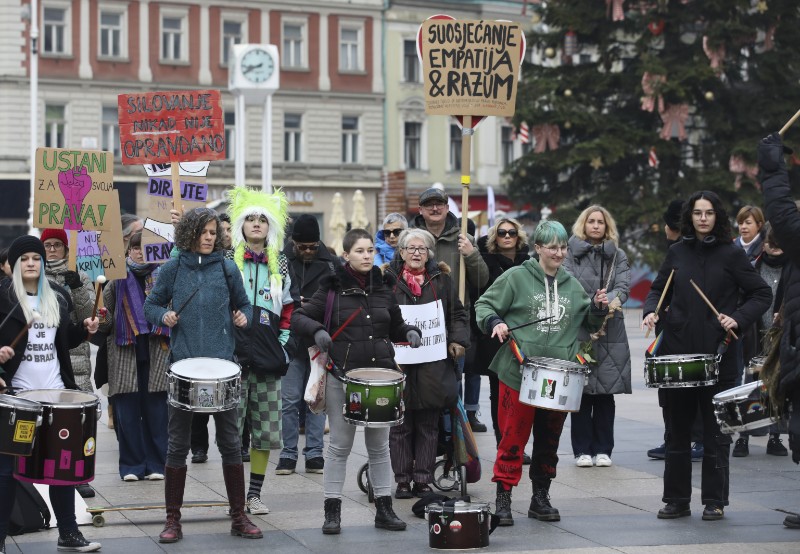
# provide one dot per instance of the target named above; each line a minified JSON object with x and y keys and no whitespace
{"x":661,"y":300}
{"x":98,"y":291}
{"x":534,"y":322}
{"x":710,"y":305}
{"x":11,"y":311}
{"x":789,"y":123}
{"x":187,"y":301}
{"x":24,"y":331}
{"x":341,"y":328}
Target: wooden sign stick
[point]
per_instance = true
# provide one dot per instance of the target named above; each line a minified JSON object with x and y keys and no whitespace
{"x":789,"y":123}
{"x":466,"y":149}
{"x":710,"y":305}
{"x":176,"y":186}
{"x":661,"y":300}
{"x":72,"y":262}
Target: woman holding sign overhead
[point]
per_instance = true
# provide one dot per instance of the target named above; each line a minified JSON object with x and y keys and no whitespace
{"x":425,"y":292}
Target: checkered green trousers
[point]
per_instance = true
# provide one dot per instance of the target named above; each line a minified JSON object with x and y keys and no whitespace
{"x":261,"y":405}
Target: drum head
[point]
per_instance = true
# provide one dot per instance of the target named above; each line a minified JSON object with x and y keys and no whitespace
{"x":375,"y":375}
{"x":19,"y":403}
{"x":556,"y":365}
{"x":741,"y":392}
{"x":670,"y":358}
{"x":204,"y":368}
{"x":60,"y":397}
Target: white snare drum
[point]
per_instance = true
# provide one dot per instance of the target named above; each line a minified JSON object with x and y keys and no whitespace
{"x":553,"y":384}
{"x":743,"y":408}
{"x":204,"y":385}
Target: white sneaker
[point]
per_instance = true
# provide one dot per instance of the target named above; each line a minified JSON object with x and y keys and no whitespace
{"x":584,"y":460}
{"x":155,"y":477}
{"x":130,"y":477}
{"x":602,"y":460}
{"x":255,"y":506}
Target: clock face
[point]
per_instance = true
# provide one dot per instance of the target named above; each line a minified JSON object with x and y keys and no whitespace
{"x":257,"y":65}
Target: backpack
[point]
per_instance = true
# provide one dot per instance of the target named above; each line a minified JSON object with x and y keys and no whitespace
{"x":30,"y":512}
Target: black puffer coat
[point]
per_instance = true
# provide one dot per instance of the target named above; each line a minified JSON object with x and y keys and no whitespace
{"x":433,"y":385}
{"x":721,"y":270}
{"x":367,"y":340}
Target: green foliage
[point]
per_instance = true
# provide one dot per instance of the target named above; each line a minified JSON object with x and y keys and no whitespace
{"x":753,"y":93}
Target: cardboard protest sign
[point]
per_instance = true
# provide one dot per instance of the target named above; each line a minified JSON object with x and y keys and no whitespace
{"x":172,"y":126}
{"x":470,"y":67}
{"x":103,"y":253}
{"x":74,"y":189}
{"x":158,"y":235}
{"x":428,"y":318}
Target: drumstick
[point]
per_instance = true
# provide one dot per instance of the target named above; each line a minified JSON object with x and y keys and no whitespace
{"x":11,"y":311}
{"x":341,"y":328}
{"x":187,"y":301}
{"x":789,"y":123}
{"x":710,"y":305}
{"x":24,"y":331}
{"x":98,"y":291}
{"x":534,"y":322}
{"x":661,"y":300}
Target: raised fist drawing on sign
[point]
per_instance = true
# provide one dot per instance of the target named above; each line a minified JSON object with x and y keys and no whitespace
{"x":75,"y":184}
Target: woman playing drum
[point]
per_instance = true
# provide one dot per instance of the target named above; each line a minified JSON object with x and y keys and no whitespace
{"x":536,"y":289}
{"x":360,"y":288}
{"x":23,"y":297}
{"x":706,"y":256}
{"x":207,"y":291}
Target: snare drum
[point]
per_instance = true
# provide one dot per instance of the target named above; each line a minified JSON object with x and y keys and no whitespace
{"x":19,"y":419}
{"x":206,"y":385}
{"x":681,"y":370}
{"x":64,"y":452}
{"x":755,"y":365}
{"x":553,"y":384}
{"x":743,"y":408}
{"x":462,"y":526}
{"x":374,"y":397}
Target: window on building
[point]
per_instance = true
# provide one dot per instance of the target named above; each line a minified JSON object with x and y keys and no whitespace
{"x":455,"y":148}
{"x":412,"y":148}
{"x":292,"y":137}
{"x":349,"y":139}
{"x":350,"y":56}
{"x":232,"y":33}
{"x":506,"y":146}
{"x":293,"y":54}
{"x":411,"y":68}
{"x":112,"y":34}
{"x":173,"y":38}
{"x":54,"y":21}
{"x":230,"y":135}
{"x":55,"y":125}
{"x":110,"y":132}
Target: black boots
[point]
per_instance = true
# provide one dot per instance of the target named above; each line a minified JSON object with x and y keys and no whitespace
{"x":474,"y":422}
{"x":333,"y":516}
{"x":540,"y":507}
{"x":385,"y":518}
{"x":503,"y":506}
{"x":174,"y":483}
{"x":674,"y":510}
{"x":241,"y":526}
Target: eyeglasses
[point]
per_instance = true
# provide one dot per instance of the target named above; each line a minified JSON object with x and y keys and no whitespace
{"x":392,"y":232}
{"x":700,"y":213}
{"x":553,"y":249}
{"x":309,"y":247}
{"x":507,"y":232}
{"x":434,"y":205}
{"x":54,"y":246}
{"x":415,"y":249}
{"x":253,"y":218}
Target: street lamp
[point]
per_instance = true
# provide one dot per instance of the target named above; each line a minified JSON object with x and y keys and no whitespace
{"x":33,"y":68}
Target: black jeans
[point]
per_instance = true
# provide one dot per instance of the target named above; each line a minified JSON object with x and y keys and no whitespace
{"x":593,"y":426}
{"x":680,"y":407}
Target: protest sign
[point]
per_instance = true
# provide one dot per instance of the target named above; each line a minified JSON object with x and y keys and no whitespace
{"x":429,"y":319}
{"x":73,"y":189}
{"x":470,"y":67}
{"x":102,"y":253}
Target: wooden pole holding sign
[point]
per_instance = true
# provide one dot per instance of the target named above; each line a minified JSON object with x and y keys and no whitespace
{"x":466,"y":149}
{"x":72,"y":262}
{"x":176,"y":187}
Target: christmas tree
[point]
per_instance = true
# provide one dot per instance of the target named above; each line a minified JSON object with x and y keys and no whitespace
{"x":634,"y":104}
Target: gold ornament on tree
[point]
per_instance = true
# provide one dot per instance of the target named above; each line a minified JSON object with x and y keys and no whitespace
{"x":709,"y":95}
{"x":568,"y":92}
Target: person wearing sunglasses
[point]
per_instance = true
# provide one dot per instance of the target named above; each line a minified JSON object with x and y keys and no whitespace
{"x":386,"y":239}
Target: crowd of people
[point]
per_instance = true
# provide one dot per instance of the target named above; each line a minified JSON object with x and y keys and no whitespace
{"x":237,"y":291}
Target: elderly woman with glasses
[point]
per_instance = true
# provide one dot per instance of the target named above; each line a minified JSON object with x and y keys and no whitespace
{"x":537,"y":288}
{"x":386,"y":239}
{"x":431,"y":385}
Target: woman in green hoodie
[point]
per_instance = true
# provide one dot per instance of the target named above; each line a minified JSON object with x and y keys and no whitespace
{"x":538,"y":288}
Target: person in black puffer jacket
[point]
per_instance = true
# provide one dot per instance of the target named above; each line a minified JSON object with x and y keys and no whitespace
{"x":783,"y":215}
{"x":365,"y":342}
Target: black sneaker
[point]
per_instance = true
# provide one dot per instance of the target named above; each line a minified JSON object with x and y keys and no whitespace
{"x":315,"y":465}
{"x":713,"y":512}
{"x":742,"y":448}
{"x":85,"y":490}
{"x":658,"y":453}
{"x":775,"y":447}
{"x":286,"y":466}
{"x":74,"y":542}
{"x":199,"y":457}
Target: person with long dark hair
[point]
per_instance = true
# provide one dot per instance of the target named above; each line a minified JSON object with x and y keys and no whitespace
{"x":707,"y":257}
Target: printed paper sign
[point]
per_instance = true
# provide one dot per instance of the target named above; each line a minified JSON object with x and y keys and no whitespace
{"x":428,"y":318}
{"x":74,"y":189}
{"x":103,"y":253}
{"x":470,"y":67}
{"x":171,"y":126}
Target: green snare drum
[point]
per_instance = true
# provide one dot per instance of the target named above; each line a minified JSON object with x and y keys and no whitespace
{"x":681,"y":370}
{"x":374,"y":397}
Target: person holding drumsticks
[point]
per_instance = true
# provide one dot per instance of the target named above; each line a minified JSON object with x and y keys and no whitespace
{"x":539,"y":288}
{"x":208,"y":300}
{"x":358,"y":287}
{"x":707,"y":257}
{"x":26,"y":296}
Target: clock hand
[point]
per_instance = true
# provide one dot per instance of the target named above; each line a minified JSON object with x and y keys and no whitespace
{"x":249,"y":68}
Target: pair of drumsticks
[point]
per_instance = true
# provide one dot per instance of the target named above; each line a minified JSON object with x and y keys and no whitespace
{"x":699,"y":291}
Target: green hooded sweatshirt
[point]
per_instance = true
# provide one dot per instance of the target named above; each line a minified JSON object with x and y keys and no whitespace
{"x":522,"y":294}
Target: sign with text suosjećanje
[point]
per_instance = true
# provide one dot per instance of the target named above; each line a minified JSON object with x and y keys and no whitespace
{"x":171,"y":126}
{"x":470,"y":67}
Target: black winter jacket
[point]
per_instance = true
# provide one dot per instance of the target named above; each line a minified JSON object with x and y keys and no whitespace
{"x":721,"y":270}
{"x":367,"y":340}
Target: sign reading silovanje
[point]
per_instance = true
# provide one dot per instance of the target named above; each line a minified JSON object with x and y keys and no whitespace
{"x":470,"y":67}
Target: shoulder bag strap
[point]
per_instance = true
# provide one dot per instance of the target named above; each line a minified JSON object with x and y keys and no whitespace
{"x":329,"y":310}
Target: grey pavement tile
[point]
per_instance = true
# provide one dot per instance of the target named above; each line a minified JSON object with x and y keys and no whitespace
{"x":143,"y":545}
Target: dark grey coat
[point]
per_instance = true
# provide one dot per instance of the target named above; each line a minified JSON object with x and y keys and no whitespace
{"x":612,"y":372}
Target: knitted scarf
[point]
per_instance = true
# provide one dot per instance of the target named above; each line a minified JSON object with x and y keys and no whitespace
{"x":360,"y":278}
{"x":414,"y":279}
{"x":129,"y":320}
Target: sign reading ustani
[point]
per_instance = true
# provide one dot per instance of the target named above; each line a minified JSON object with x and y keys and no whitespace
{"x":470,"y":67}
